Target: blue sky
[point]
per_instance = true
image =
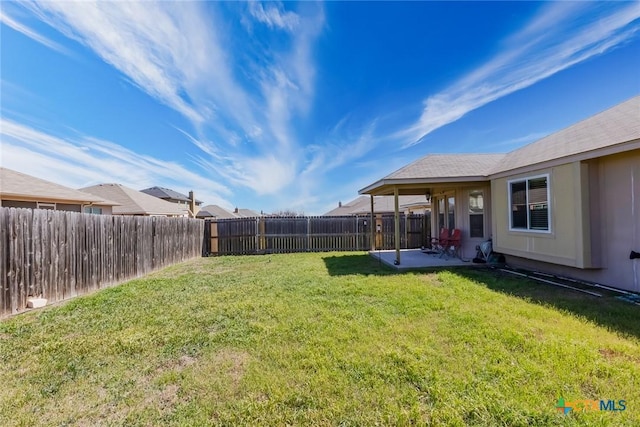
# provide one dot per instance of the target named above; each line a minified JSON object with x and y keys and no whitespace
{"x":274,"y":106}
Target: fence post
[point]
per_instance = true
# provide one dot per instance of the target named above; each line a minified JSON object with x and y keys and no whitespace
{"x":406,"y":231}
{"x":378,"y":239}
{"x":261,"y":232}
{"x":214,"y":237}
{"x":373,"y":227}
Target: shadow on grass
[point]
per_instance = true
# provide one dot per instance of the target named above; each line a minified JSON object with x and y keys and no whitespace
{"x":606,"y":311}
{"x":343,"y":265}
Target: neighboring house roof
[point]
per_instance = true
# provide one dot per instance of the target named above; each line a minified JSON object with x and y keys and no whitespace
{"x":215,"y":211}
{"x":133,"y":202}
{"x":362,"y":205}
{"x":614,"y":130}
{"x":19,"y":186}
{"x":246,"y":213}
{"x":168,"y":194}
{"x":349,"y":207}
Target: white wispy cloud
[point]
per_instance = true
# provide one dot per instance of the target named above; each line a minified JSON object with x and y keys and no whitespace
{"x":560,"y":36}
{"x":7,"y":20}
{"x":85,"y":160}
{"x":168,"y":49}
{"x":273,"y":15}
{"x":181,"y":54}
{"x":341,"y":148}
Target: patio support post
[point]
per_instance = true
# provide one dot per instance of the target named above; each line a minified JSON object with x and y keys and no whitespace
{"x":397,"y":224}
{"x":373,"y":227}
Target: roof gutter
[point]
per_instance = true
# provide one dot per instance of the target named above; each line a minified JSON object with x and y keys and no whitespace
{"x":390,"y":182}
{"x":577,"y":157}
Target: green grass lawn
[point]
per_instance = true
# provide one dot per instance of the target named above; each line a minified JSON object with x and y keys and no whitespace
{"x":320,"y":339}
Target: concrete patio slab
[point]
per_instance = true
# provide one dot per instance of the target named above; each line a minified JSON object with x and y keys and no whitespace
{"x":415,"y":258}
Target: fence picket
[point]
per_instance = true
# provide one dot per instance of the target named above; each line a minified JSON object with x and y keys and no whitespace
{"x":60,"y":254}
{"x":241,"y":236}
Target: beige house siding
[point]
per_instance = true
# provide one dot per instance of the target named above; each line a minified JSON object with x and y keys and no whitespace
{"x":462,"y":220}
{"x":595,"y":222}
{"x":563,"y":243}
{"x":619,"y":185}
{"x":18,"y":204}
{"x":70,"y":207}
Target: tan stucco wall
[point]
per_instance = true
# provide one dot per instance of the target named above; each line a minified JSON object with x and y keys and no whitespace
{"x":564,"y":243}
{"x":462,"y":216}
{"x":619,"y":181}
{"x":595,"y":223}
{"x":17,"y":204}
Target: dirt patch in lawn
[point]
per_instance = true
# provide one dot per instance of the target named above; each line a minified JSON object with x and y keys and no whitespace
{"x":233,"y":363}
{"x":610,"y":354}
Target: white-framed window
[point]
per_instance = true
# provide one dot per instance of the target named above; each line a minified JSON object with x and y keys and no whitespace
{"x":476,"y":213}
{"x":93,"y":210}
{"x":529,"y":204}
{"x":50,"y":206}
{"x":447,"y":212}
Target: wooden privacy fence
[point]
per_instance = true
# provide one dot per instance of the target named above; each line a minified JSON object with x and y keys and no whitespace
{"x":58,"y":255}
{"x":243,"y":236}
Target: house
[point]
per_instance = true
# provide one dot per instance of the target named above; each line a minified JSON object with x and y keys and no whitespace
{"x":381,"y":205}
{"x":246,"y":213}
{"x":218,"y":212}
{"x":566,"y":204}
{"x":134,"y":202}
{"x":189,"y":203}
{"x":214,"y":212}
{"x":19,"y":190}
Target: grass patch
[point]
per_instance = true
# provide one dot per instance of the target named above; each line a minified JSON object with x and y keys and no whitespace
{"x":319,"y":339}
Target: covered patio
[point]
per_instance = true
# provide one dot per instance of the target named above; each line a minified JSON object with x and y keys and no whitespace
{"x":458,"y":190}
{"x":417,"y":258}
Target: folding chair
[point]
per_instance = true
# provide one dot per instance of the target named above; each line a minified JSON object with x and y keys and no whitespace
{"x":454,"y":242}
{"x":440,"y":244}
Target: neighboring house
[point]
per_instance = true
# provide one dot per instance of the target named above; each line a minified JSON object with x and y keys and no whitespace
{"x":215,"y":212}
{"x":566,"y":204}
{"x":218,"y":212}
{"x":134,"y":202}
{"x":246,"y":213}
{"x":19,"y":190}
{"x":189,"y":203}
{"x":381,"y":205}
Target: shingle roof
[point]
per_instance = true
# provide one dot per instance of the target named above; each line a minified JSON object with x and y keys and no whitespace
{"x":448,"y":166}
{"x":616,"y":125}
{"x":247,"y":213}
{"x":362,"y":205}
{"x":22,"y":186}
{"x":215,"y":211}
{"x":167,"y":193}
{"x":134,"y":202}
{"x":349,"y":207}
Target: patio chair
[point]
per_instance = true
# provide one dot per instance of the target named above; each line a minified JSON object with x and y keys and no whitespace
{"x":439,"y":244}
{"x":454,"y":242}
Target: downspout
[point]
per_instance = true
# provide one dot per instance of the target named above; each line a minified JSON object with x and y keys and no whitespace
{"x":636,"y":285}
{"x":397,"y":224}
